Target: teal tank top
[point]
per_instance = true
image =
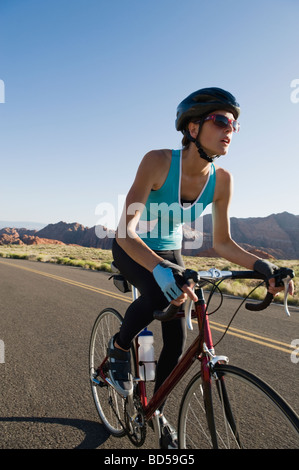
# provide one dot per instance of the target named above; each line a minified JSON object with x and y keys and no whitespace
{"x":163,"y":217}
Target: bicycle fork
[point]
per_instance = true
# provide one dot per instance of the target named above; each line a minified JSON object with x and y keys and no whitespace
{"x":208,"y":361}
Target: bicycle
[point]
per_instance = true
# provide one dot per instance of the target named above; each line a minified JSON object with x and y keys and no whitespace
{"x":222,"y":407}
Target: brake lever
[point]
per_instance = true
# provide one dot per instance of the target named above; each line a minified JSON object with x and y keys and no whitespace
{"x":194,"y":276}
{"x":188,"y":312}
{"x":286,"y":282}
{"x":288,"y":275}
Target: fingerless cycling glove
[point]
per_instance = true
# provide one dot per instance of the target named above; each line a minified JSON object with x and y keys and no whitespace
{"x":265,"y":267}
{"x":164,"y":274}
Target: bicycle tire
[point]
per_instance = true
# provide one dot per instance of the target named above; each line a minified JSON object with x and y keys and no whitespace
{"x":248,"y":414}
{"x":109,"y":404}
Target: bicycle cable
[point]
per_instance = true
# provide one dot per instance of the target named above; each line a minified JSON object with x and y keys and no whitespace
{"x":231,"y":320}
{"x":214,"y":288}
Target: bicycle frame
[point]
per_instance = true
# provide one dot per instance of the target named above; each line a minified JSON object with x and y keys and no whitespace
{"x":202,"y":349}
{"x":203,"y":342}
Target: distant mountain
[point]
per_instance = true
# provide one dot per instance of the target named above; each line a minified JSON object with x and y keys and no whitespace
{"x":78,"y":234}
{"x":274,"y":236}
{"x":21,"y":224}
{"x":62,"y":233}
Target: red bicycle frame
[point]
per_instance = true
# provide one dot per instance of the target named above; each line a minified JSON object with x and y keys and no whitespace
{"x":192,"y":353}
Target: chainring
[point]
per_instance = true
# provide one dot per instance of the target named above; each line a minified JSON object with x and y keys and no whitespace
{"x":135,"y":422}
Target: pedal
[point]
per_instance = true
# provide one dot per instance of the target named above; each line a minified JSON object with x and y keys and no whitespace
{"x":98,"y":382}
{"x":95,"y":381}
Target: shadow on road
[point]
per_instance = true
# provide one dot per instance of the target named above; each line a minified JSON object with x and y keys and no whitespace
{"x":95,"y":433}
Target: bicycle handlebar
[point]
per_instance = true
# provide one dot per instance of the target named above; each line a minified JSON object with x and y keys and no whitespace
{"x":283,"y":276}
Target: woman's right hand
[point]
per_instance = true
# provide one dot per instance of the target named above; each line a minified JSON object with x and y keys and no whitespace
{"x":170,"y":279}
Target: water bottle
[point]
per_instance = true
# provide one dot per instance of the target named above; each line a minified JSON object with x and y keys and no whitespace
{"x":147,"y":368}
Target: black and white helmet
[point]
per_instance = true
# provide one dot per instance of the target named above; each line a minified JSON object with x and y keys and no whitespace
{"x":203,"y":102}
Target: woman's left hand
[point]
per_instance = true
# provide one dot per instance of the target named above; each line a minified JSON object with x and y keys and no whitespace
{"x":275,"y":290}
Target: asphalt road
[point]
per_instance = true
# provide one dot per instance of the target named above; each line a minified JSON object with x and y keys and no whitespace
{"x":47,"y":313}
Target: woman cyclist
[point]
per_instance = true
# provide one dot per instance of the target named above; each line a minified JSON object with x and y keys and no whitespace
{"x":147,"y":248}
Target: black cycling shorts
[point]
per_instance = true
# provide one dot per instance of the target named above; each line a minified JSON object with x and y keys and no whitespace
{"x":140,"y":313}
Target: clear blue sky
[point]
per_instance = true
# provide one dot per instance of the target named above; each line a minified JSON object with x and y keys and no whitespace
{"x":92,"y":85}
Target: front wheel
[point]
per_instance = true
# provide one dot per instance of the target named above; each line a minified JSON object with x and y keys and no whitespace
{"x":248,"y":414}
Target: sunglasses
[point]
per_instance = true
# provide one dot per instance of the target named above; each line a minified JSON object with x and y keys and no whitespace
{"x":223,"y":122}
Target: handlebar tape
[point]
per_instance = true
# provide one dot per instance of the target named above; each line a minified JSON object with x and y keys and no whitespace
{"x":257,"y":307}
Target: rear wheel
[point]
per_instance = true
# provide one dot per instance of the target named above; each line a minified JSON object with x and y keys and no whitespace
{"x":109,"y":404}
